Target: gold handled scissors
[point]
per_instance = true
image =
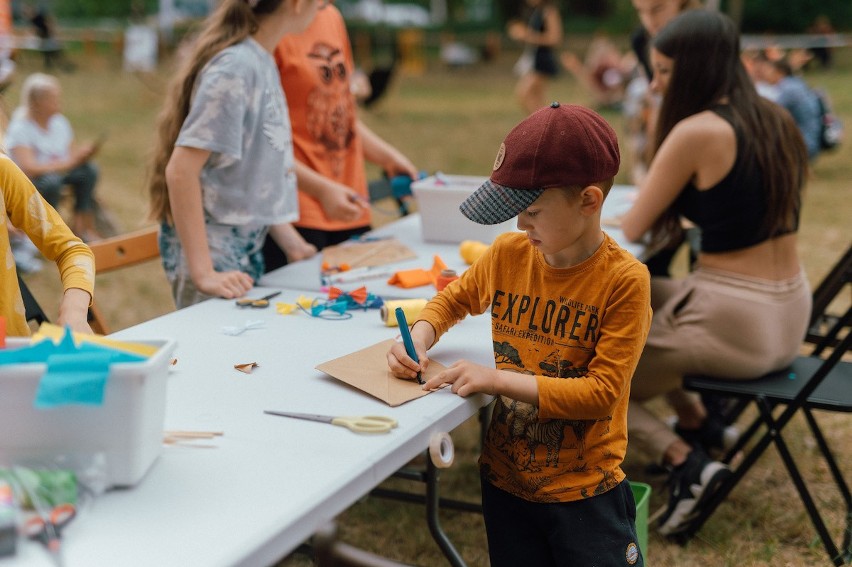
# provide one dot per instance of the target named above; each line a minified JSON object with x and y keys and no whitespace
{"x":258,"y":303}
{"x":358,"y":424}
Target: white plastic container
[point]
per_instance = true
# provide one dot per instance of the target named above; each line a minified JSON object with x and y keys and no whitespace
{"x":127,"y":430}
{"x":438,"y":200}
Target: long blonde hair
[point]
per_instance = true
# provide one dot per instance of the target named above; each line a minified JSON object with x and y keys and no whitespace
{"x":231,"y":22}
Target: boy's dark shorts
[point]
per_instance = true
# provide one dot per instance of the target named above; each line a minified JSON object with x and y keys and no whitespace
{"x":595,"y":531}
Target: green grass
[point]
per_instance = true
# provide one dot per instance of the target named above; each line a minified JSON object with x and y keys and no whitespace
{"x":453,"y":121}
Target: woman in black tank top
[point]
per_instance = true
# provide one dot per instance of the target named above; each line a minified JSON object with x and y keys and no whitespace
{"x":734,"y":165}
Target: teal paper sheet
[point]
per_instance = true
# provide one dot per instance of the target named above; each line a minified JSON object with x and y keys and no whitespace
{"x":75,"y":374}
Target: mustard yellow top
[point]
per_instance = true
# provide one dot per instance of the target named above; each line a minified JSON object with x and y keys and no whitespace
{"x":27,"y":210}
{"x":580,"y":331}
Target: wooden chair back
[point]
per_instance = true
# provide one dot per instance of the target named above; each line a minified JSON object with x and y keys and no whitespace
{"x":118,"y":252}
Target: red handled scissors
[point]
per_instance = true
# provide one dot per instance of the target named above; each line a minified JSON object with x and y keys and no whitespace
{"x":47,"y":528}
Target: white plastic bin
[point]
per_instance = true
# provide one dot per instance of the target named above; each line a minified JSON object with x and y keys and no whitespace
{"x":438,"y":200}
{"x":127,"y":429}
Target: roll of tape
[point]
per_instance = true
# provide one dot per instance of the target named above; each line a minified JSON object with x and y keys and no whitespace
{"x":441,"y":450}
{"x":445,"y":278}
{"x":411,"y":308}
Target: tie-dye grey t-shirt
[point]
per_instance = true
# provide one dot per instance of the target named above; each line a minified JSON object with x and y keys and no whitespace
{"x":239,"y":113}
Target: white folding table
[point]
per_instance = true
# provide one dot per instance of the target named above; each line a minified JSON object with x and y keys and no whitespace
{"x":270,"y":482}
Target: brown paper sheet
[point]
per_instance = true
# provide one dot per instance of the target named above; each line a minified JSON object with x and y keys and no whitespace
{"x":367,"y":370}
{"x":367,"y":254}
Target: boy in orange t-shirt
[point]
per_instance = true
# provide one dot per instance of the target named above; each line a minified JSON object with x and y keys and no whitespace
{"x":329,"y":141}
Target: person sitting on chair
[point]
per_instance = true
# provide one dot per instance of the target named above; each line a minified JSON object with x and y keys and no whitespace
{"x":744,"y":309}
{"x":39,"y":139}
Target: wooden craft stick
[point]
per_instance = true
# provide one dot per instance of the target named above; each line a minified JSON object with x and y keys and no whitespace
{"x":193,"y":434}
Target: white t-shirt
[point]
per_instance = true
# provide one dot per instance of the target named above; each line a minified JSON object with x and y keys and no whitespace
{"x":48,"y":145}
{"x":239,"y":113}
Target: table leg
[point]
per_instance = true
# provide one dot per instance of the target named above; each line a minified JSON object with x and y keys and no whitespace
{"x":432,"y":507}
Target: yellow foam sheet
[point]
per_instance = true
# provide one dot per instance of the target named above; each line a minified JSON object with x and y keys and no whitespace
{"x":55,"y":333}
{"x":367,"y":370}
{"x":367,"y":254}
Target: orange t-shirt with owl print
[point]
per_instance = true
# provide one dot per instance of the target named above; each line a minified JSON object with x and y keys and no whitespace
{"x":316,"y":67}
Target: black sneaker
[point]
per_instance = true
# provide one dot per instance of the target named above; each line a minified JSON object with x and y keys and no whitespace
{"x":690,"y":485}
{"x":713,"y":435}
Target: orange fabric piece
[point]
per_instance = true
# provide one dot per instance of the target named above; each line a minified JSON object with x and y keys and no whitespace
{"x":438,"y":266}
{"x":418,"y":276}
{"x":411,"y":278}
{"x":359,"y":295}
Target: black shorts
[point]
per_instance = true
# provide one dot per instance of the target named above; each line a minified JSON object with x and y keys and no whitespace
{"x":275,"y":258}
{"x":599,"y":530}
{"x":544,"y":62}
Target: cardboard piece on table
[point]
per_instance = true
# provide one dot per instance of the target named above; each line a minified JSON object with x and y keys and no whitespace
{"x":246,"y":367}
{"x":367,"y":254}
{"x":367,"y":370}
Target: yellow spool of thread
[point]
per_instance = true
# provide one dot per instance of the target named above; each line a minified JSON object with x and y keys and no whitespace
{"x":411,"y":308}
{"x":471,"y":250}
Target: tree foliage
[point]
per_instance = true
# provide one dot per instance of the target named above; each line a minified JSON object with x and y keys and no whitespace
{"x":94,"y":9}
{"x":789,"y":16}
{"x":793,"y":16}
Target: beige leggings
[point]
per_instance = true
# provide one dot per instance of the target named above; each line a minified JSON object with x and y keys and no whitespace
{"x":713,"y":323}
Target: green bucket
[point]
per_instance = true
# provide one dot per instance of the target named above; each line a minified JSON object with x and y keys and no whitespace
{"x":642,"y":496}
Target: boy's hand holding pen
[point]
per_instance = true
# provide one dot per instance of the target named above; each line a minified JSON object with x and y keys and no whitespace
{"x":405,"y":359}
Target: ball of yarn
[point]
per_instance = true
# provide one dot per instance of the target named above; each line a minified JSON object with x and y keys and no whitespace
{"x":471,"y":250}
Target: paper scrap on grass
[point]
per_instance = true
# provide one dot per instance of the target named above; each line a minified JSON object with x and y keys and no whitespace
{"x":367,"y":370}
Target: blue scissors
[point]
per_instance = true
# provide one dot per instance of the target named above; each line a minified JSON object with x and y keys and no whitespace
{"x":358,"y":424}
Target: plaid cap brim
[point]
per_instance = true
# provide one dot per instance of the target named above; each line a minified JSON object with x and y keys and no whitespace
{"x":493,"y":203}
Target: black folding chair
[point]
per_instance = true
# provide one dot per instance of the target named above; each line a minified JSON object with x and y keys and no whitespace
{"x":821,"y":324}
{"x":819,"y":381}
{"x":822,"y":320}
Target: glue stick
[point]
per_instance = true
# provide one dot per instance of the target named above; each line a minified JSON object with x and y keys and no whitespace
{"x":411,"y":308}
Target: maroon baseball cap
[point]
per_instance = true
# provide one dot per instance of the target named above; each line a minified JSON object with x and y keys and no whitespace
{"x":560,"y":145}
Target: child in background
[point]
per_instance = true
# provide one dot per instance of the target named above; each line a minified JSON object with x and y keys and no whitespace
{"x":605,"y":71}
{"x":223,"y":173}
{"x":541,"y":35}
{"x":26,"y":209}
{"x":330,"y":142}
{"x":570,"y":311}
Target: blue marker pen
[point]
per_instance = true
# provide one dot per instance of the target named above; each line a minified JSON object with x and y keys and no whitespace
{"x":406,"y":339}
